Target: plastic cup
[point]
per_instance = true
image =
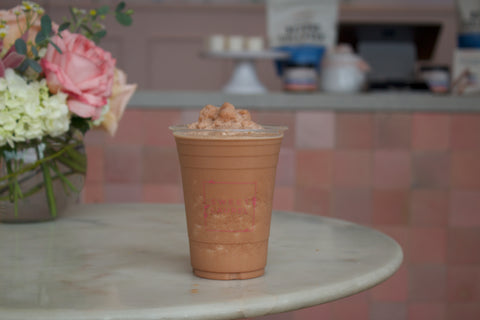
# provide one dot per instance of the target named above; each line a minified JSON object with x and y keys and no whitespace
{"x":228,"y":178}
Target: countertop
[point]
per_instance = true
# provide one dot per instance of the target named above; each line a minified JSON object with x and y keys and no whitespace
{"x":281,"y":101}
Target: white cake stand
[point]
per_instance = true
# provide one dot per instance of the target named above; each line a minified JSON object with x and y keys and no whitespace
{"x":244,"y":79}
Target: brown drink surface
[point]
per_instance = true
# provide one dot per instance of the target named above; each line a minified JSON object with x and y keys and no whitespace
{"x":228,"y":180}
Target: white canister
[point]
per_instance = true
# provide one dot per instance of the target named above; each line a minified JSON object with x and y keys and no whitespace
{"x":343,"y":72}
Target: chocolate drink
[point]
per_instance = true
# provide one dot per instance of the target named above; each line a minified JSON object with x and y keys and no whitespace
{"x":228,"y":180}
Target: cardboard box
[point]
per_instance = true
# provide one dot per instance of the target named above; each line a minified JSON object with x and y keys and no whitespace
{"x":466,"y":71}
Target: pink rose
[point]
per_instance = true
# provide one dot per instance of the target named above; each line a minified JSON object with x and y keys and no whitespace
{"x":121,"y":94}
{"x":83,"y":71}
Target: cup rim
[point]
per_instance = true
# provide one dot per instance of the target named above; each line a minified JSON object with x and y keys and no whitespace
{"x":270,"y":129}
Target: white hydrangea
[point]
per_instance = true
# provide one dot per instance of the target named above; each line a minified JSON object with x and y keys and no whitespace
{"x":28,"y":111}
{"x":57,"y":120}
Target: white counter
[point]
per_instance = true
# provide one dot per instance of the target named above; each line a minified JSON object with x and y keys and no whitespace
{"x":279,"y":101}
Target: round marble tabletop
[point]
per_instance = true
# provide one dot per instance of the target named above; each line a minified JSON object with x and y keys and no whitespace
{"x":131,"y":261}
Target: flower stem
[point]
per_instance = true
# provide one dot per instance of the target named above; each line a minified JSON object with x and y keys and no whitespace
{"x":36,"y":164}
{"x":78,"y":157}
{"x":64,"y":179}
{"x":72,"y":164}
{"x":50,"y":154}
{"x":15,"y":190}
{"x":48,"y":186}
{"x":35,"y":189}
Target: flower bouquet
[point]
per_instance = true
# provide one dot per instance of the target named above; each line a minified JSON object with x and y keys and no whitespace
{"x":56,"y":83}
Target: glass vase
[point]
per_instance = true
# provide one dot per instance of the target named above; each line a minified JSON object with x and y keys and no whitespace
{"x":39,"y":180}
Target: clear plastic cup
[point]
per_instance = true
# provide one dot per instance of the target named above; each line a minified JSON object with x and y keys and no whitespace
{"x":228,"y":178}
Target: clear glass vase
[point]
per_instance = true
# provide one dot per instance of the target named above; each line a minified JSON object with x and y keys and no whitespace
{"x":38,"y":181}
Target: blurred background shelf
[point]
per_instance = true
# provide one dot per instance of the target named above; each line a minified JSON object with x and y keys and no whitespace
{"x":388,"y":101}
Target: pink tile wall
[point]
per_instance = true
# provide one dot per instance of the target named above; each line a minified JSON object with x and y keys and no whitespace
{"x":413,"y":176}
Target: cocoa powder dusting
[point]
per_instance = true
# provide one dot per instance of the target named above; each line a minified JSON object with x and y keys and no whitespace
{"x":224,"y":117}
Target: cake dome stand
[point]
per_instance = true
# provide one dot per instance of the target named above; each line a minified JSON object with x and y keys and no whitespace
{"x":244,"y":78}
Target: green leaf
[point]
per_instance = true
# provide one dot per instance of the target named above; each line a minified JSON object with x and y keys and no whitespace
{"x":34,"y":65}
{"x":40,"y":37}
{"x":55,"y":46}
{"x":100,"y":34}
{"x":35,"y":51}
{"x":120,"y":6}
{"x":80,"y":124}
{"x":103,"y":10}
{"x":46,"y":24}
{"x":21,"y":46}
{"x":123,"y":19}
{"x":23,"y":67}
{"x":86,"y":28}
{"x":63,"y":26}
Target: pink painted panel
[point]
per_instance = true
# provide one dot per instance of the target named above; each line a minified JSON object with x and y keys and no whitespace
{"x":314,"y":130}
{"x":463,"y":284}
{"x":390,"y":207}
{"x":354,"y":130}
{"x":431,"y":169}
{"x":465,"y":208}
{"x":427,"y":283}
{"x":314,"y":168}
{"x":466,"y":169}
{"x":394,"y":289}
{"x":352,"y":168}
{"x":393,"y":131}
{"x":311,"y":199}
{"x":427,"y":311}
{"x":123,"y":163}
{"x":430,"y":131}
{"x":429,"y":207}
{"x":392,"y":169}
{"x":352,"y":204}
{"x":428,"y":245}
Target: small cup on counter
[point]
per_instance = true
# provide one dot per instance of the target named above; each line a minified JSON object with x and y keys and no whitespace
{"x":437,"y":77}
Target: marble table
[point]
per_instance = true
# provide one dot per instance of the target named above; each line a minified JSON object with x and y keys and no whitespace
{"x":131,"y":261}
